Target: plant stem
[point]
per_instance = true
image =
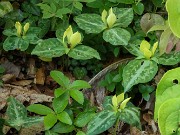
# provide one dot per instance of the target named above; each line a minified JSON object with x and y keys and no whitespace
{"x":116,"y":126}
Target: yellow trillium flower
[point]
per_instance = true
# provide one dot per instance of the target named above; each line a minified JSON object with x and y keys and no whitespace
{"x":111,"y":18}
{"x":26,"y":27}
{"x":18,"y":27}
{"x":72,"y":38}
{"x":119,"y":102}
{"x":145,"y":48}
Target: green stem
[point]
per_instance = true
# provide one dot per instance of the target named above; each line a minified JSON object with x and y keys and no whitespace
{"x":116,"y":126}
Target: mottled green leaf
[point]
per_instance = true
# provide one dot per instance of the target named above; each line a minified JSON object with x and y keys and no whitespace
{"x":169,"y":59}
{"x":91,"y":23}
{"x":49,"y":48}
{"x":82,"y":52}
{"x":117,"y":36}
{"x":12,"y":43}
{"x":138,"y":71}
{"x":101,"y":122}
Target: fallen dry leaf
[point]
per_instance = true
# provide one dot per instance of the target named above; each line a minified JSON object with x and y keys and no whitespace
{"x":22,"y":82}
{"x":8,"y":77}
{"x":22,"y":94}
{"x":40,"y":76}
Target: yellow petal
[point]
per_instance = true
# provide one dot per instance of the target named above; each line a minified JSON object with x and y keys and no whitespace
{"x":111,"y":19}
{"x":75,"y":39}
{"x":68,"y":33}
{"x":103,"y":16}
{"x":120,"y":98}
{"x":19,"y":28}
{"x":123,"y":104}
{"x":144,"y":44}
{"x":147,"y":53}
{"x":114,"y":101}
{"x":26,"y":27}
{"x":154,"y":48}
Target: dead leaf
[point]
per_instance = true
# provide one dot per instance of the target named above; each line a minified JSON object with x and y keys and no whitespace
{"x":10,"y":67}
{"x":22,"y":94}
{"x":40,"y":76}
{"x":8,"y":77}
{"x":31,"y":68}
{"x":22,"y":82}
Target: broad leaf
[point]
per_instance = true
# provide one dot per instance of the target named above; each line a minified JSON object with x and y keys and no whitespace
{"x":60,"y":78}
{"x":169,"y":59}
{"x":124,"y":16}
{"x":58,"y":92}
{"x":138,"y":71}
{"x":101,"y":122}
{"x":131,"y":115}
{"x":12,"y":43}
{"x":49,"y":121}
{"x":60,"y":103}
{"x":77,"y":95}
{"x":172,"y":7}
{"x":138,"y":8}
{"x":82,"y":52}
{"x":64,"y":118}
{"x":169,"y":118}
{"x":117,"y":36}
{"x":83,"y":118}
{"x":168,"y":80}
{"x":40,"y":109}
{"x":80,"y":133}
{"x":63,"y":128}
{"x":1,"y":125}
{"x":49,"y":48}
{"x":169,"y":93}
{"x":91,"y":23}
{"x":79,"y":84}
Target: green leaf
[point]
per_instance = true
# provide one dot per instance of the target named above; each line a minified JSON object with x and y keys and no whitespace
{"x":79,"y":84}
{"x":64,"y":118}
{"x":169,"y":59}
{"x":77,"y":95}
{"x":101,"y":122}
{"x":168,"y":80}
{"x":82,"y":52}
{"x":49,"y":132}
{"x":138,"y":8}
{"x":60,"y":78}
{"x":62,"y":11}
{"x":173,"y":14}
{"x":78,"y":5}
{"x":91,"y":23}
{"x":138,"y":71}
{"x":44,"y":24}
{"x":63,"y":128}
{"x":164,"y":39}
{"x":31,"y":7}
{"x":6,"y":8}
{"x":49,"y":121}
{"x":169,"y":118}
{"x":124,"y":16}
{"x":126,"y":1}
{"x":40,"y":109}
{"x":83,"y":118}
{"x":60,"y":103}
{"x":58,"y":92}
{"x":12,"y":43}
{"x":117,"y":36}
{"x":169,"y":93}
{"x":107,"y":103}
{"x":131,"y":115}
{"x":29,"y":121}
{"x":1,"y":125}
{"x":80,"y":133}
{"x":16,"y":110}
{"x":49,"y":48}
